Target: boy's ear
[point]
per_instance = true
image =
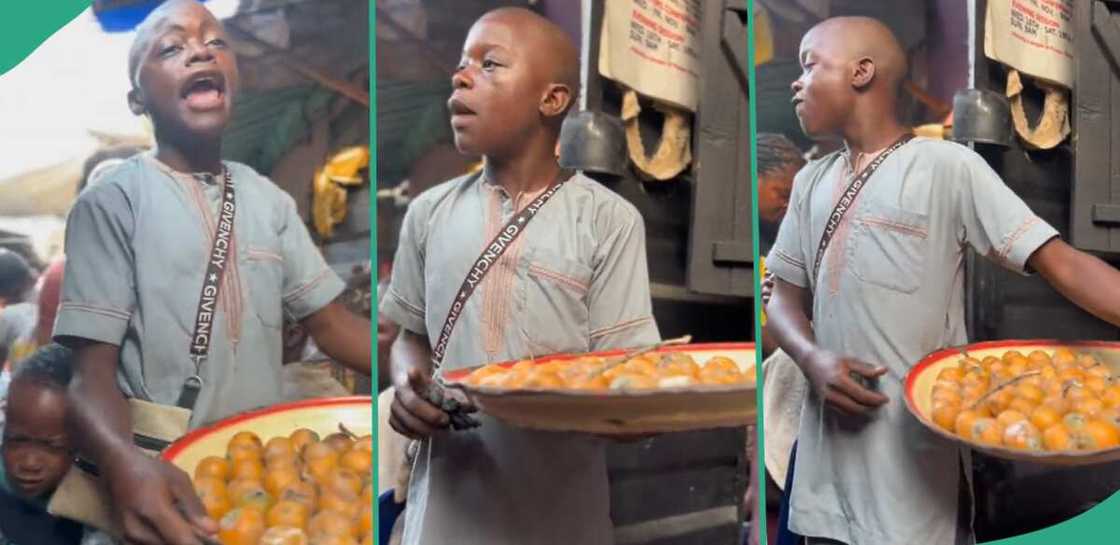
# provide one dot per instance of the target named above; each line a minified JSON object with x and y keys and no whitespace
{"x":556,"y":100}
{"x":864,"y":73}
{"x":136,"y":102}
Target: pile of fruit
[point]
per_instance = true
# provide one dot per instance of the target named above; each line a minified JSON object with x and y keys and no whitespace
{"x":294,"y":490}
{"x":1038,"y":402}
{"x":648,"y":371}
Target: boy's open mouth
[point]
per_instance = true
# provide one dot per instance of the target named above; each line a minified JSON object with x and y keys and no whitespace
{"x":205,"y":91}
{"x":458,"y":109}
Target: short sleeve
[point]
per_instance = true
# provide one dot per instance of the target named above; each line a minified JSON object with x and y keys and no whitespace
{"x":309,"y":283}
{"x":619,"y":301}
{"x":788,"y":258}
{"x":99,"y":291}
{"x":404,"y":302}
{"x":994,"y":221}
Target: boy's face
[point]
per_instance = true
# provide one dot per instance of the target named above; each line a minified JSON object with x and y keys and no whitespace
{"x":36,"y":448}
{"x":498,"y":89}
{"x":823,"y":95}
{"x":773,"y":193}
{"x":187,"y":74}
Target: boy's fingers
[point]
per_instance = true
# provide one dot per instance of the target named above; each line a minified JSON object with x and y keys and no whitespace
{"x":420,"y":408}
{"x":137,"y":532}
{"x":854,"y":390}
{"x":414,"y":427}
{"x":865,"y":369}
{"x":191,"y":506}
{"x":173,"y":528}
{"x":844,"y":403}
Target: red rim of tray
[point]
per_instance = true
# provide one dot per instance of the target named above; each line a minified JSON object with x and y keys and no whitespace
{"x":185,"y":441}
{"x":940,"y":355}
{"x":454,"y":378}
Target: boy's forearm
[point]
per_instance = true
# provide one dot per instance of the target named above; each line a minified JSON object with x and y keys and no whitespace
{"x":1082,"y":278}
{"x":787,"y":322}
{"x":342,"y":335}
{"x":99,"y":417}
{"x":410,"y":351}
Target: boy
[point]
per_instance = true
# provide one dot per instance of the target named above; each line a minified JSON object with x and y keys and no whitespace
{"x":138,"y":248}
{"x":36,"y":451}
{"x":576,"y":280}
{"x":889,"y":289}
{"x":18,"y":312}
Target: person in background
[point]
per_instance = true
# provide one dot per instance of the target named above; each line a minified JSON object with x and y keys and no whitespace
{"x":18,"y":310}
{"x":37,"y":451}
{"x":779,"y":160}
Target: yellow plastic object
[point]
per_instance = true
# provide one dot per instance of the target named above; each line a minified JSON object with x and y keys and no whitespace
{"x":762,"y":276}
{"x":763,"y":36}
{"x":329,"y":190}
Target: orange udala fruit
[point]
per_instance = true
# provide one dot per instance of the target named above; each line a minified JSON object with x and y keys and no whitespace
{"x":241,"y":527}
{"x":247,"y":469}
{"x":279,"y":446}
{"x":344,"y":481}
{"x":963,"y":424}
{"x":340,"y":442}
{"x":283,"y":535}
{"x":953,"y":374}
{"x":1022,"y":405}
{"x":301,"y":438}
{"x":359,"y":461}
{"x":249,"y":494}
{"x":213,"y":466}
{"x":215,"y":498}
{"x":246,"y":438}
{"x":1010,"y":416}
{"x":340,"y":502}
{"x":324,"y":539}
{"x":1089,"y":406}
{"x":302,"y":492}
{"x":1111,"y":396}
{"x":1057,"y":437}
{"x":988,"y":431}
{"x":1044,"y":416}
{"x":945,"y":415}
{"x":241,"y":453}
{"x":1022,"y":435}
{"x":332,"y":523}
{"x":278,"y":477}
{"x":288,"y":513}
{"x":1098,"y":434}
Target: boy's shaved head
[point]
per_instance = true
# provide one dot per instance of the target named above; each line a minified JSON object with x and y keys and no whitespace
{"x":856,"y":38}
{"x":518,"y":76}
{"x":555,"y":49}
{"x":147,"y":30}
{"x":851,"y":67}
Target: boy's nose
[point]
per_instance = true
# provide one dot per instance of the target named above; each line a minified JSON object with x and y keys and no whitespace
{"x":199,"y":53}
{"x":461,"y":79}
{"x":796,"y":86}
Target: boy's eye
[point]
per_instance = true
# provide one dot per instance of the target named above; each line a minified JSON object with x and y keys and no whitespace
{"x":217,"y":42}
{"x":169,"y":50}
{"x":488,"y":64}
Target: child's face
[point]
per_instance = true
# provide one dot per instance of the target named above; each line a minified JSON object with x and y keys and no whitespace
{"x":36,"y":448}
{"x":822,"y":96}
{"x":499,"y":86}
{"x":187,"y":75}
{"x":773,"y":193}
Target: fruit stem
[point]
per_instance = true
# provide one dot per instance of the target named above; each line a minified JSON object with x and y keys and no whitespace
{"x":988,"y":394}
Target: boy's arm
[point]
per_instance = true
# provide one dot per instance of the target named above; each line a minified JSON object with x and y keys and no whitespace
{"x":411,"y":370}
{"x":619,"y":301}
{"x":98,"y":298}
{"x":828,"y":373}
{"x":342,"y":335}
{"x":1082,"y":278}
{"x":154,"y":501}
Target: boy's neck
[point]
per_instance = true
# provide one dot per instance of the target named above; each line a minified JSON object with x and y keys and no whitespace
{"x":872,"y":129}
{"x":530,"y":170}
{"x":201,"y":157}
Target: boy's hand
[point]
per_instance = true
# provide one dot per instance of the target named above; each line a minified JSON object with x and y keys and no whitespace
{"x":831,"y":378}
{"x":156,"y":504}
{"x":412,"y":415}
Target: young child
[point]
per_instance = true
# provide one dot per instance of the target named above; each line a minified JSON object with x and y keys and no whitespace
{"x":575,"y":280}
{"x":37,"y":451}
{"x":138,"y":249}
{"x":889,"y":290}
